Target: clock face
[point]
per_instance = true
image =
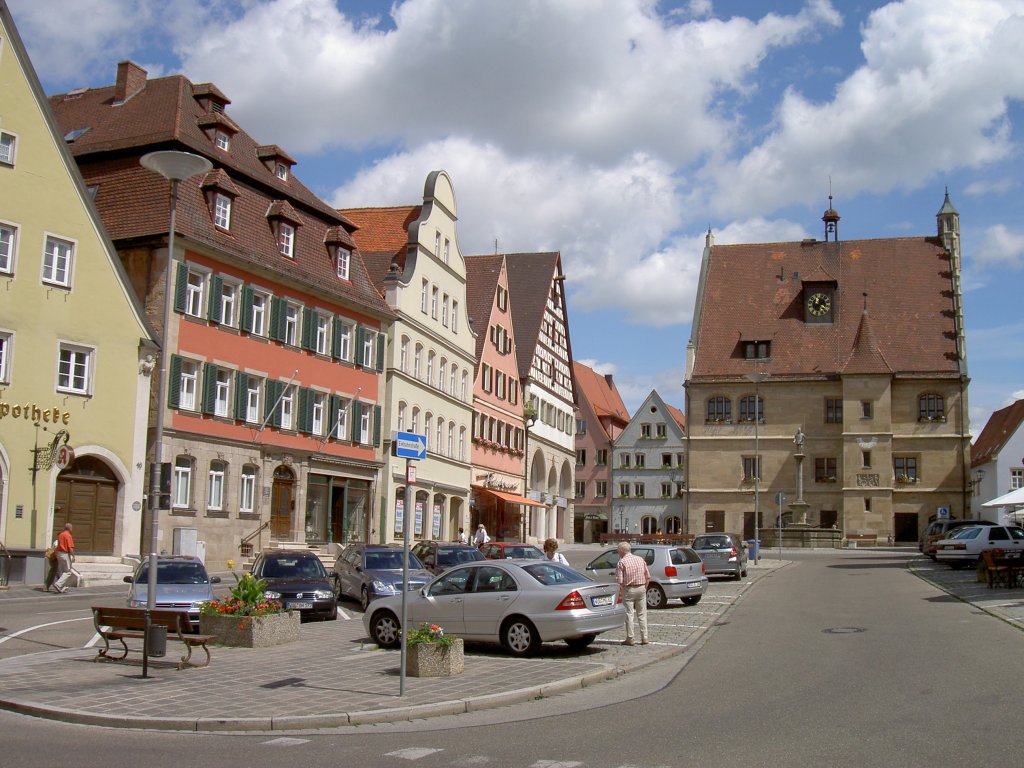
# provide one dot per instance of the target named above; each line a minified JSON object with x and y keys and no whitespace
{"x":819,"y":304}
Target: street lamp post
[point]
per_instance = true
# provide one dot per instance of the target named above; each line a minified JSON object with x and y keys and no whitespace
{"x":175,"y":167}
{"x":757,"y":378}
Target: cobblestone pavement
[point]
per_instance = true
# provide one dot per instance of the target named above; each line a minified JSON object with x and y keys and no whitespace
{"x":335,"y":676}
{"x":1006,"y":604}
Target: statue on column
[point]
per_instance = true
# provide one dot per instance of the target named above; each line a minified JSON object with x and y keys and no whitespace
{"x":798,"y":439}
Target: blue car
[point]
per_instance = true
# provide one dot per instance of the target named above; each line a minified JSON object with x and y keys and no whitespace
{"x":365,"y":572}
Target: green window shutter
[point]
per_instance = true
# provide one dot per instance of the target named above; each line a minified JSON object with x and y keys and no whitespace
{"x":277,"y":310}
{"x":376,"y":425}
{"x":356,"y":415}
{"x":180,"y":288}
{"x":305,"y":410}
{"x":174,"y":382}
{"x":216,"y":289}
{"x":245,"y":311}
{"x":209,"y":387}
{"x":333,"y":411}
{"x":336,"y":338}
{"x":358,"y":351}
{"x":380,"y":351}
{"x":308,"y":328}
{"x":241,"y":394}
{"x":271,"y":414}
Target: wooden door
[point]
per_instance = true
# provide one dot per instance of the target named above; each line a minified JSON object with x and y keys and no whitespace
{"x":282,"y":504}
{"x":86,"y":497}
{"x":714,"y":521}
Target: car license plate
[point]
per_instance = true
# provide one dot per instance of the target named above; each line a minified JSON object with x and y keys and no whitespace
{"x":693,"y":584}
{"x":602,"y":600}
{"x":299,"y":605}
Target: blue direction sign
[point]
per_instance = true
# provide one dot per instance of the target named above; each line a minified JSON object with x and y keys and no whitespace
{"x":409,"y":445}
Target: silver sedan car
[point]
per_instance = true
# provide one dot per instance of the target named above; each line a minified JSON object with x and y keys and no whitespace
{"x":676,"y":572}
{"x":517,"y":603}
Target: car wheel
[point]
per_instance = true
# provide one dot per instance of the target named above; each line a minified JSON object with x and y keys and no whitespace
{"x":333,"y":615}
{"x":520,"y":637}
{"x":744,"y":573}
{"x":655,"y":596}
{"x":385,"y":630}
{"x":364,"y":599}
{"x":337,"y":588}
{"x":579,"y":643}
{"x":692,"y":600}
{"x":736,"y":576}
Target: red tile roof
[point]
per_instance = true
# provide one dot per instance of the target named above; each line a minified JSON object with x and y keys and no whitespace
{"x":133,"y":201}
{"x":678,"y":415}
{"x":382,"y":235}
{"x":756,"y":292}
{"x":482,"y":276}
{"x":600,"y":391}
{"x":1001,"y":426}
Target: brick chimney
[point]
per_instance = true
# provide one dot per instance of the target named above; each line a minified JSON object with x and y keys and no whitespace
{"x":131,"y":78}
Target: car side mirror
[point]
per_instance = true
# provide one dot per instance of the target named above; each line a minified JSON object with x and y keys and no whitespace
{"x":215,"y":579}
{"x":423,"y":591}
{"x":128,"y":579}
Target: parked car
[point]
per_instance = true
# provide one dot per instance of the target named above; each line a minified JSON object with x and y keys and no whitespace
{"x":941,"y":529}
{"x":510,"y":550}
{"x":365,"y":572}
{"x":437,"y":556}
{"x":676,"y":572}
{"x":722,"y":553}
{"x":299,"y":580}
{"x":965,"y":545}
{"x":182,"y":584}
{"x":517,"y":603}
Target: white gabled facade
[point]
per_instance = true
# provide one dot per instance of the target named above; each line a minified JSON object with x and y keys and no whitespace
{"x":429,"y":385}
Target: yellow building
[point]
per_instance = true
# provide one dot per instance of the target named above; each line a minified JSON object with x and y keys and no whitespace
{"x":75,"y":350}
{"x":856,"y":345}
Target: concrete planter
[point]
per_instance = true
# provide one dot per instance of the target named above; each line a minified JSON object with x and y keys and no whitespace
{"x":431,"y":660}
{"x":252,"y":632}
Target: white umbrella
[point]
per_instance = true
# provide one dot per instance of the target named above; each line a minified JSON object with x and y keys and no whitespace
{"x":1011,"y":499}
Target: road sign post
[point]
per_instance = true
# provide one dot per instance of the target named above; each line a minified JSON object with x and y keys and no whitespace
{"x":410,"y":446}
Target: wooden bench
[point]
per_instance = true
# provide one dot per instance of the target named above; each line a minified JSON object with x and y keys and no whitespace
{"x":130,"y":623}
{"x":854,"y":540}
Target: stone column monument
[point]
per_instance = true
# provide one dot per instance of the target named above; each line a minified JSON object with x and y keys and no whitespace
{"x":799,"y":507}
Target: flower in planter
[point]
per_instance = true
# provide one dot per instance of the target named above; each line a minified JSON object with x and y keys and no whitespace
{"x":430,"y":634}
{"x":246,"y":600}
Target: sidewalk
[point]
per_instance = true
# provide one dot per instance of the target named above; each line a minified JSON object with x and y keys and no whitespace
{"x":1005,"y":604}
{"x":333,"y":676}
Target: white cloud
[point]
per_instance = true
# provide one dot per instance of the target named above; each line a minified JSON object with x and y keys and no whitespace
{"x":917,"y":107}
{"x":599,"y":367}
{"x":1001,"y":246}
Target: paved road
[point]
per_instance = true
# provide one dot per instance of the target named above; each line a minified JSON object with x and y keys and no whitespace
{"x":843,"y":659}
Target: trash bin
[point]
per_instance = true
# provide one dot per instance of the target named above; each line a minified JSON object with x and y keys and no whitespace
{"x":753,"y":548}
{"x":157,"y":641}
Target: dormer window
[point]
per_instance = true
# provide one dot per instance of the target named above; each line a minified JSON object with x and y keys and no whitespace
{"x":220,"y":196}
{"x":281,"y":171}
{"x":276,"y":161}
{"x":222,"y":210}
{"x":283,"y":220}
{"x":342,"y":259}
{"x":757,"y":350}
{"x":286,"y":239}
{"x":222,"y":140}
{"x":339,"y":247}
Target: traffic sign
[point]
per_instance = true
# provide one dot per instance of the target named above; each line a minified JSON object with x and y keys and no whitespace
{"x":64,"y":456}
{"x":780,"y":497}
{"x":409,"y":445}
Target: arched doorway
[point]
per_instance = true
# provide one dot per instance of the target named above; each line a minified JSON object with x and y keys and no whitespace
{"x":86,"y":497}
{"x":282,"y":502}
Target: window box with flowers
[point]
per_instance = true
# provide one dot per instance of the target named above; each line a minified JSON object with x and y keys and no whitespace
{"x":905,"y":479}
{"x":247,"y":619}
{"x":432,"y":652}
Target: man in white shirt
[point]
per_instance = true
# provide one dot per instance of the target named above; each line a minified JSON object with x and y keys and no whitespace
{"x":480,"y":537}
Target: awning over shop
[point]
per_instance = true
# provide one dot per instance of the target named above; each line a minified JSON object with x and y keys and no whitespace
{"x":509,"y":497}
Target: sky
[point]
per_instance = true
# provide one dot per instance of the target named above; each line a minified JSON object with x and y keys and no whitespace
{"x":618,"y":131}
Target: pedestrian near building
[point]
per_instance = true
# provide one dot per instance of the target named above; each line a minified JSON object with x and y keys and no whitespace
{"x":632,"y":576}
{"x":552,"y":553}
{"x":462,"y":536}
{"x":480,"y":537}
{"x":65,"y":557}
